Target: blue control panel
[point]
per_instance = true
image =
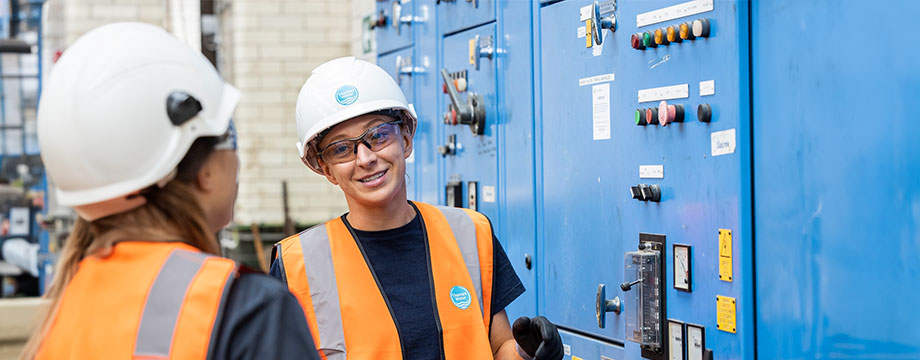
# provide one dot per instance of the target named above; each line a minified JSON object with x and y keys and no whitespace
{"x":675,"y":179}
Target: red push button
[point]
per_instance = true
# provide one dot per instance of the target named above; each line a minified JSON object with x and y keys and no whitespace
{"x":636,"y":41}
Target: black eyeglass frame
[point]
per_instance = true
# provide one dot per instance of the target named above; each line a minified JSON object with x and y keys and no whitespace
{"x":359,"y":138}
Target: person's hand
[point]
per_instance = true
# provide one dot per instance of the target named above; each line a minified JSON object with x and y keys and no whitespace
{"x":538,"y":338}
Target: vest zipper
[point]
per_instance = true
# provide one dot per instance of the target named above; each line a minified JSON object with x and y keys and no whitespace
{"x":386,"y":300}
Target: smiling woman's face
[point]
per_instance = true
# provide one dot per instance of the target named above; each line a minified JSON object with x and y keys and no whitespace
{"x":373,"y":178}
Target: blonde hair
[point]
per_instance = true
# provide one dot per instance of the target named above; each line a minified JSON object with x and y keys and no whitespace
{"x":172,"y":213}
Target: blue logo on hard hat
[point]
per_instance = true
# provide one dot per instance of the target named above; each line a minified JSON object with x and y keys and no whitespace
{"x":346,"y":95}
{"x":460,"y":296}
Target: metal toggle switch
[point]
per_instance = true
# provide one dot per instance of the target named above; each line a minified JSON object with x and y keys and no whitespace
{"x":472,"y":112}
{"x":604,"y":306}
{"x":404,"y":67}
{"x":480,"y":48}
{"x":409,"y":19}
{"x":450,"y":148}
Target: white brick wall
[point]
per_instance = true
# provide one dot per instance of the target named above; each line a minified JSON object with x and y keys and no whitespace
{"x":274,"y":44}
{"x":267,"y":49}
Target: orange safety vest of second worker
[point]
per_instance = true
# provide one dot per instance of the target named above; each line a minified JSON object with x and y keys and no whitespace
{"x":144,"y":300}
{"x":349,"y":316}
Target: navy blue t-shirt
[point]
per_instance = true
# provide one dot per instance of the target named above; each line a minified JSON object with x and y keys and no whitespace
{"x":399,"y":259}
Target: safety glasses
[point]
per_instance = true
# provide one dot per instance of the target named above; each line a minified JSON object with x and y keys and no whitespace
{"x":376,"y":138}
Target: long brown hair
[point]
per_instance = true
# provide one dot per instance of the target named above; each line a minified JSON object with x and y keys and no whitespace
{"x":172,"y":213}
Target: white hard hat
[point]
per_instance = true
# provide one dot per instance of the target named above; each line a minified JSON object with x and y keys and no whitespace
{"x":339,"y":90}
{"x":119,"y":111}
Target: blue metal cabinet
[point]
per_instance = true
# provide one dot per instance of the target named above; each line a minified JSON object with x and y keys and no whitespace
{"x":517,"y":183}
{"x":402,"y":67}
{"x":588,"y":217}
{"x":396,"y":20}
{"x":475,"y":156}
{"x":457,"y":15}
{"x":427,"y":94}
{"x":837,"y":190}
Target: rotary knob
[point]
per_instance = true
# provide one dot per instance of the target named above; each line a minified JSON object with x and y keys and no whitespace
{"x":704,"y":113}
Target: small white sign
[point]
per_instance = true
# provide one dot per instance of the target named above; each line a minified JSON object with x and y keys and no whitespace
{"x":591,"y":80}
{"x":723,"y":142}
{"x":651,"y":171}
{"x":567,"y":349}
{"x":19,"y":221}
{"x":600,"y":95}
{"x":582,"y":32}
{"x":707,"y":88}
{"x":680,"y":91}
{"x":585,"y":12}
{"x":673,"y":12}
{"x":488,"y":194}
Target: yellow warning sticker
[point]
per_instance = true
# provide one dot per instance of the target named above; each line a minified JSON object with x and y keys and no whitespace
{"x":725,"y":309}
{"x":576,"y":358}
{"x":589,"y":38}
{"x":473,"y":51}
{"x":725,"y":255}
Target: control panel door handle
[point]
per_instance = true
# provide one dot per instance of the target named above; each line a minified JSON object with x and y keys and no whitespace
{"x":604,"y":306}
{"x":601,"y":23}
{"x":472,"y":112}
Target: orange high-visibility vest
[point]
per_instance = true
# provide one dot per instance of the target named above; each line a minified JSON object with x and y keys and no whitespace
{"x":346,"y":310}
{"x":146,"y":300}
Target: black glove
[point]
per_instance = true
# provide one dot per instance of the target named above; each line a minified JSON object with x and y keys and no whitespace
{"x":538,"y":337}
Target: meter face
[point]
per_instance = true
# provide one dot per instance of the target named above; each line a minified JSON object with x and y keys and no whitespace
{"x":682,"y":267}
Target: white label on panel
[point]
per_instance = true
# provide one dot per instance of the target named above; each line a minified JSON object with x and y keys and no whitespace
{"x":606,"y":358}
{"x":707,"y":88}
{"x":600,"y":95}
{"x":567,"y":349}
{"x":488,"y":194}
{"x":19,"y":221}
{"x":585,"y":12}
{"x":723,"y":142}
{"x":651,"y":171}
{"x":673,"y":12}
{"x":591,"y":80}
{"x":665,"y":93}
{"x":582,"y":32}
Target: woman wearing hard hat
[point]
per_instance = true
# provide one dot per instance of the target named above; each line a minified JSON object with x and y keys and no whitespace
{"x":135,"y":133}
{"x":392,"y":278}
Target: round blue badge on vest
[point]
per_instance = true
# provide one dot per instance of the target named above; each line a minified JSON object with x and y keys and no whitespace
{"x":461,"y":297}
{"x":346,"y":95}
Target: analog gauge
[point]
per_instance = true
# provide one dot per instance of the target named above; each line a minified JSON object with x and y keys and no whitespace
{"x":696,"y":341}
{"x":682,"y":278}
{"x":675,"y":340}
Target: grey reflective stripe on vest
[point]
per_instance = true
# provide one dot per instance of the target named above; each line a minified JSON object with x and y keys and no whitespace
{"x":317,"y":259}
{"x":164,"y":301}
{"x":465,"y":232}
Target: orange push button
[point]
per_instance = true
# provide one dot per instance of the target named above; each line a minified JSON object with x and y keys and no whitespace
{"x":661,"y":37}
{"x":673,"y":35}
{"x":686,"y":31}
